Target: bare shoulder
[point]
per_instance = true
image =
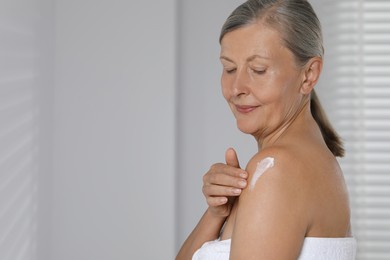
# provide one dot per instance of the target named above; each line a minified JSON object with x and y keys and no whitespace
{"x":276,"y":165}
{"x":281,"y":176}
{"x":291,"y":194}
{"x":275,"y":203}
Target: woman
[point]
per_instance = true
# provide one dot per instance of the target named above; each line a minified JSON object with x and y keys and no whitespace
{"x":295,"y":204}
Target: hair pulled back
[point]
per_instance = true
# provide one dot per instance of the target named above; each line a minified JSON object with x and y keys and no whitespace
{"x":300,"y":30}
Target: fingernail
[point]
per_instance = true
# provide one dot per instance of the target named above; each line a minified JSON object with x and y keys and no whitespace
{"x":236,"y":191}
{"x":223,"y":200}
{"x":243,"y":175}
{"x":242,"y":183}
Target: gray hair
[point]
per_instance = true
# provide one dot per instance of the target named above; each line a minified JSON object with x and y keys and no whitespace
{"x":296,"y":21}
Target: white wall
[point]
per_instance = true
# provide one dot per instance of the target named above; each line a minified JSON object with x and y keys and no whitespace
{"x":44,"y":40}
{"x":25,"y":84}
{"x":113,"y":178}
{"x":87,"y":129}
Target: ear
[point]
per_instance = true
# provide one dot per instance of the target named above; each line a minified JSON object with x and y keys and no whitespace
{"x":312,"y":71}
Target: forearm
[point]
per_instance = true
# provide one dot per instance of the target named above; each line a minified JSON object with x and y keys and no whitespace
{"x":207,"y":229}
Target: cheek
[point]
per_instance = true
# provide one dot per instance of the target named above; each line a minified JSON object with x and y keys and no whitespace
{"x":267,"y":91}
{"x":282,"y":87}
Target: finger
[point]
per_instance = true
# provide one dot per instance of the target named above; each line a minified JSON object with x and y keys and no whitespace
{"x":219,"y":191}
{"x":227,"y":170}
{"x":216,"y":201}
{"x":223,"y":179}
{"x":231,"y":158}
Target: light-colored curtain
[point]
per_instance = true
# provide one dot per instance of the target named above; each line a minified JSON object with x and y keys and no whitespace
{"x":355,"y":89}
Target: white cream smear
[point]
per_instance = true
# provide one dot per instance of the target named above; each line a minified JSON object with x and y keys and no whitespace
{"x":261,"y":168}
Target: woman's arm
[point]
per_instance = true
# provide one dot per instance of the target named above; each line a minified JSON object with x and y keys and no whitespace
{"x":272,"y":216}
{"x":221,"y":185}
{"x":207,"y":229}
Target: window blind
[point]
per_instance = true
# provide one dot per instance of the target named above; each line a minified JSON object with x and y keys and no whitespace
{"x":355,"y":90}
{"x":18,"y":132}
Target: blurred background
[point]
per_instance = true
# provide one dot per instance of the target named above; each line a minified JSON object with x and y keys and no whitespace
{"x":111,"y":112}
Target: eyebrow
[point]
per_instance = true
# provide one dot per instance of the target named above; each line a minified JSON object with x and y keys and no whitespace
{"x":251,"y":58}
{"x":225,"y":58}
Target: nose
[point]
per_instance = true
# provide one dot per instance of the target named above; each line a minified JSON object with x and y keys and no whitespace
{"x":240,"y":83}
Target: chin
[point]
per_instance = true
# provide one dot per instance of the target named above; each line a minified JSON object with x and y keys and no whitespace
{"x":246,"y":128}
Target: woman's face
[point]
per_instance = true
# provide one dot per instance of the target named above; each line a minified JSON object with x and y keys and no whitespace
{"x":260,"y":80}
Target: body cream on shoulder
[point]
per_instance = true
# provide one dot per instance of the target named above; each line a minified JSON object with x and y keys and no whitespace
{"x":261,"y":168}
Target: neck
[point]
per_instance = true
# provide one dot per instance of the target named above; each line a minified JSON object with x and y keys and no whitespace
{"x":301,"y":119}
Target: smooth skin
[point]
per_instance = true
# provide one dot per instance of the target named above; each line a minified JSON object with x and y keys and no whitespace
{"x":304,"y":194}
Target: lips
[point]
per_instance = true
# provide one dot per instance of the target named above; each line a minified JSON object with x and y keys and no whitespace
{"x":245,"y":109}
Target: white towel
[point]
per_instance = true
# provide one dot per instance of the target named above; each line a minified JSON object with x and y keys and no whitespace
{"x":314,"y":248}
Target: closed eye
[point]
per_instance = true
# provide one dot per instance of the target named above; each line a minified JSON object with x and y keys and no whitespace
{"x":259,"y":72}
{"x":230,"y":71}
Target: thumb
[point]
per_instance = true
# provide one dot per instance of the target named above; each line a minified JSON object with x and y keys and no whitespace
{"x":231,"y":158}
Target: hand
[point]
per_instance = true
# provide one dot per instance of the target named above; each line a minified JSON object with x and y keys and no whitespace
{"x":223,"y":183}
